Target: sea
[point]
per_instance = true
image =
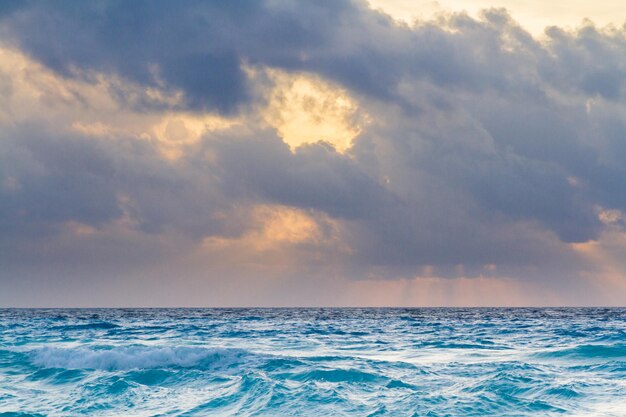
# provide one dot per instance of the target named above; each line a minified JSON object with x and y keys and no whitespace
{"x":313,"y":362}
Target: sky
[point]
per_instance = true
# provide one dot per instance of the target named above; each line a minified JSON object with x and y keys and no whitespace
{"x":327,"y":153}
{"x":533,"y":15}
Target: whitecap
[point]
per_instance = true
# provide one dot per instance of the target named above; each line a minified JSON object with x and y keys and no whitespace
{"x":134,"y":357}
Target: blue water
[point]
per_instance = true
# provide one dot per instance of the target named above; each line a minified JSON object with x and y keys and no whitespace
{"x":313,"y":362}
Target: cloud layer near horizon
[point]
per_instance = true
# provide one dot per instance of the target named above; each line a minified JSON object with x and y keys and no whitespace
{"x":307,"y":153}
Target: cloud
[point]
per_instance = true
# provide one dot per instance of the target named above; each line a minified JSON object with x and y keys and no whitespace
{"x":317,"y":139}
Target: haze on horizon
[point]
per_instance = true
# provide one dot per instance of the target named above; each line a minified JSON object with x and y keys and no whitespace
{"x":284,"y":153}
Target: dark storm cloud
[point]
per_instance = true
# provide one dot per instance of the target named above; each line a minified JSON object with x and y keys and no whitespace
{"x":262,"y":167}
{"x":50,"y":180}
{"x":590,"y":61}
{"x":486,"y":146}
{"x":201,"y":46}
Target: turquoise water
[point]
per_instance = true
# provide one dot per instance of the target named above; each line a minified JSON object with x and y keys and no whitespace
{"x":313,"y":362}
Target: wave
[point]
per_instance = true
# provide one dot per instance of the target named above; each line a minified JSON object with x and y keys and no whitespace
{"x":102,"y":325}
{"x":591,"y":351}
{"x":135,"y":357}
{"x":336,"y":375}
{"x":312,"y":363}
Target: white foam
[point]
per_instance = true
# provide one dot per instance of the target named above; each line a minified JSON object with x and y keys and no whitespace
{"x":132,"y":357}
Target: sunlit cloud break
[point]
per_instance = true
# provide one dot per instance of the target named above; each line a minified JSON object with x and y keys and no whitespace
{"x":310,"y":153}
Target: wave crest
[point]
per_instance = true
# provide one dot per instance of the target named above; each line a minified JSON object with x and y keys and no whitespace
{"x":135,"y":357}
{"x":592,"y":351}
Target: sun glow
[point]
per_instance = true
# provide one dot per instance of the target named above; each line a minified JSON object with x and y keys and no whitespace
{"x":306,"y":109}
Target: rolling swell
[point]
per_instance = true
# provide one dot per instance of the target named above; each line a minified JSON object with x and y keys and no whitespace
{"x":313,"y":362}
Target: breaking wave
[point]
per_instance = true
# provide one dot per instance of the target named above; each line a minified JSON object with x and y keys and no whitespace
{"x":135,"y":357}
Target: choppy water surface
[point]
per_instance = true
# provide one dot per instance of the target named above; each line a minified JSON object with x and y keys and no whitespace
{"x":313,"y":362}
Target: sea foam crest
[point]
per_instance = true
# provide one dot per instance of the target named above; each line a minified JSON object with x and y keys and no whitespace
{"x":134,"y":357}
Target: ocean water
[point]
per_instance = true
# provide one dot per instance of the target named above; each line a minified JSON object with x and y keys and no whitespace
{"x":313,"y":362}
